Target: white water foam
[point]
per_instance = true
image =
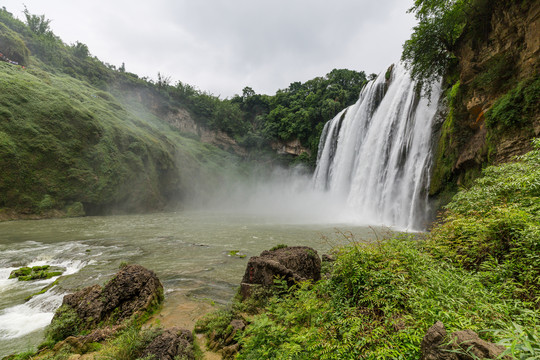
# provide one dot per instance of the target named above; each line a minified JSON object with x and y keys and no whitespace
{"x":35,"y":314}
{"x":26,"y":318}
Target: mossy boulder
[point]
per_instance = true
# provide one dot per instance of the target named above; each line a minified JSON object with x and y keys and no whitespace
{"x":36,"y":273}
{"x":133,"y":291}
{"x":294,"y":264}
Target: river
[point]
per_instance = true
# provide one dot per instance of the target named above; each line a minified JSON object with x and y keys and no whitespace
{"x":189,"y":251}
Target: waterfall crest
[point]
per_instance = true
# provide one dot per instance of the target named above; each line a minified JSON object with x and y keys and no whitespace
{"x":376,"y":154}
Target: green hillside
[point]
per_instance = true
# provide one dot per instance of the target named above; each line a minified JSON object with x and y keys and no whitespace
{"x":68,"y":144}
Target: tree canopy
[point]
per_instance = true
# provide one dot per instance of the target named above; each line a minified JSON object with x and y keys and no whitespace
{"x":428,"y":52}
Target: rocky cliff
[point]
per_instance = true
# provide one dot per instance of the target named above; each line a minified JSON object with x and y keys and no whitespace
{"x":492,"y":100}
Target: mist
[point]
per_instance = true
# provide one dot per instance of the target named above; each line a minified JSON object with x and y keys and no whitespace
{"x":282,"y":195}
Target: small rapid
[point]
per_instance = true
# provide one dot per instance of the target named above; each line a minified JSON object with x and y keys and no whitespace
{"x":41,"y":298}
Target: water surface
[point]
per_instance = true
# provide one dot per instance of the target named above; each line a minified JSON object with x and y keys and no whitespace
{"x":189,"y":251}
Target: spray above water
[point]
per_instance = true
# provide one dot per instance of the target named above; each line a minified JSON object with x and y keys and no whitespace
{"x":373,"y":165}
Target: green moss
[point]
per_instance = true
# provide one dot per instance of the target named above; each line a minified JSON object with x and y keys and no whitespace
{"x":75,"y":210}
{"x":12,"y":46}
{"x":42,"y":291}
{"x":497,"y":75}
{"x":446,"y":153}
{"x":34,"y":273}
{"x":236,"y":253}
{"x":65,"y":323}
{"x":279,"y":246}
{"x":517,"y":107}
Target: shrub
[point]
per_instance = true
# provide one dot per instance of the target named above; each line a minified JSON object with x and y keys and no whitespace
{"x":517,"y":106}
{"x":493,"y":227}
{"x":378,"y":303}
{"x":129,"y":344}
{"x":65,"y":323}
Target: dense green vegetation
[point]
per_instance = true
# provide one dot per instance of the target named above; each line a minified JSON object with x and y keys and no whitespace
{"x":493,"y":228}
{"x":257,"y":120}
{"x":490,"y":90}
{"x":63,"y":143}
{"x":478,"y":269}
{"x":301,"y":110}
{"x":430,"y":50}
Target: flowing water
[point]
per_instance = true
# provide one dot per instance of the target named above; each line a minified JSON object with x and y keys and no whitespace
{"x":189,"y":251}
{"x":375,"y":156}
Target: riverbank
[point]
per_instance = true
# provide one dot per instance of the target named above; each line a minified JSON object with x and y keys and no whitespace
{"x":477,"y":270}
{"x":12,"y":215}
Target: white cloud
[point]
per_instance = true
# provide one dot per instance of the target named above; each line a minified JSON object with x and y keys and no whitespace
{"x":223,"y":45}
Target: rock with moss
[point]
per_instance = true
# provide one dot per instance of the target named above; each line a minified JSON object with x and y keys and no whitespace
{"x":171,"y":344}
{"x":294,"y":264}
{"x":36,"y":273}
{"x":75,"y":210}
{"x":133,"y":291}
{"x":460,"y":345}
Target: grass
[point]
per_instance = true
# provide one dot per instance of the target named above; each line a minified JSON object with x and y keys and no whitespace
{"x":378,"y":303}
{"x":66,"y":145}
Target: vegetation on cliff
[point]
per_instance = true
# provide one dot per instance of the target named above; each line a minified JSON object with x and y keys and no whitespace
{"x":487,"y":53}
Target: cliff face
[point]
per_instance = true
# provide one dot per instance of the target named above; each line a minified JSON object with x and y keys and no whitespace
{"x":498,"y":62}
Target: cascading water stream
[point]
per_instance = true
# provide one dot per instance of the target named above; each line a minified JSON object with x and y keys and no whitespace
{"x":376,"y":154}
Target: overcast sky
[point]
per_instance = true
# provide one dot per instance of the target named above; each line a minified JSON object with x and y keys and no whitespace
{"x":221,"y":46}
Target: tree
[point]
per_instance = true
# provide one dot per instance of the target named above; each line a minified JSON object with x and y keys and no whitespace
{"x":162,"y":80}
{"x":37,"y":23}
{"x":80,"y":50}
{"x":247,"y":92}
{"x":428,"y":53}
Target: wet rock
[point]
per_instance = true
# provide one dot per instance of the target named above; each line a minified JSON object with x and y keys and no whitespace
{"x":328,"y":258}
{"x":224,"y":340}
{"x":133,"y":290}
{"x":229,"y":352}
{"x":460,"y":345}
{"x":171,"y":344}
{"x":294,"y":264}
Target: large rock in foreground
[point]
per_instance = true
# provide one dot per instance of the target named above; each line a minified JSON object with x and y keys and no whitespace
{"x":294,"y":264}
{"x":132,"y":291}
{"x":460,"y":345}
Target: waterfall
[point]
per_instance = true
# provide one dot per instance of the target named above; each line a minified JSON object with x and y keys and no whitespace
{"x":376,"y":154}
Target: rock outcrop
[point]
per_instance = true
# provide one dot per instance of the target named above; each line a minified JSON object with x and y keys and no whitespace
{"x":224,"y":341}
{"x":294,"y":264}
{"x":498,"y":50}
{"x":133,"y":290}
{"x":171,"y":344}
{"x":291,"y":147}
{"x":460,"y":345}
